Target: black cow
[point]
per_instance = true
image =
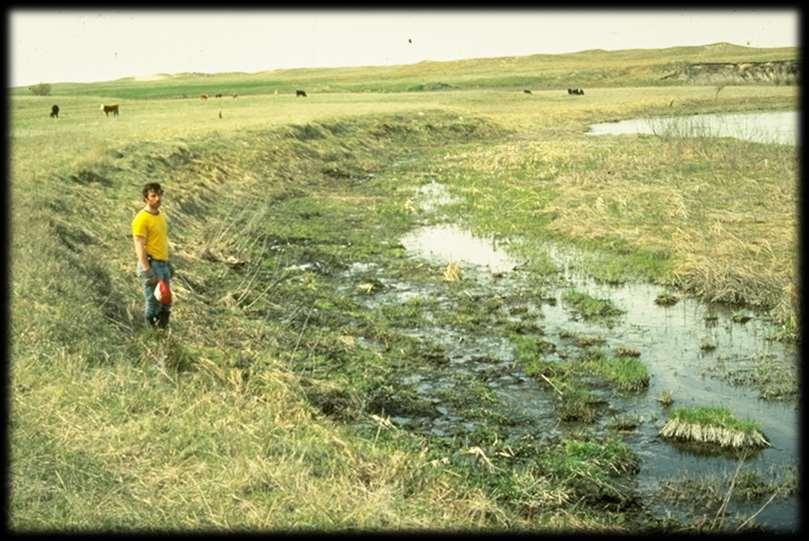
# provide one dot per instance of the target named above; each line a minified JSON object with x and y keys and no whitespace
{"x":219,"y":95}
{"x":300,"y":93}
{"x":576,"y":91}
{"x":55,"y":111}
{"x":527,"y":91}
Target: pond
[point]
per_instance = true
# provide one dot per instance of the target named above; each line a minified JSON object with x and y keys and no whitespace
{"x":779,"y":127}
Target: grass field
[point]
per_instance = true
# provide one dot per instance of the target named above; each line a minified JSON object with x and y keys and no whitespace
{"x":259,"y":410}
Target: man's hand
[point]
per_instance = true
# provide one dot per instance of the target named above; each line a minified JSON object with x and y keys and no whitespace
{"x":150,"y":277}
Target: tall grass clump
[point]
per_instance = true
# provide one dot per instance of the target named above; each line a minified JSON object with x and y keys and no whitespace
{"x":625,"y":373}
{"x":592,"y":469}
{"x":715,"y":425}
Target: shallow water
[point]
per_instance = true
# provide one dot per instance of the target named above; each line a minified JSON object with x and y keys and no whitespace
{"x":449,"y":244}
{"x":669,"y":338}
{"x":780,"y":127}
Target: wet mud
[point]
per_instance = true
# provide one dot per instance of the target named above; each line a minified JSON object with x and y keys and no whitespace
{"x":472,"y":383}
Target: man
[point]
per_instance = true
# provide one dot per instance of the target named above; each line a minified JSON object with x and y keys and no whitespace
{"x":150,"y":233}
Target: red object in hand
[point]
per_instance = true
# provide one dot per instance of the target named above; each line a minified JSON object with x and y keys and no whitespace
{"x":162,"y":292}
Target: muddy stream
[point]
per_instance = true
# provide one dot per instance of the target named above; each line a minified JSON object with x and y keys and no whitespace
{"x":671,"y":341}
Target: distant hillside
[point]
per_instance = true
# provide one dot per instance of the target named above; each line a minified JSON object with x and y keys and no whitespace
{"x":719,"y":63}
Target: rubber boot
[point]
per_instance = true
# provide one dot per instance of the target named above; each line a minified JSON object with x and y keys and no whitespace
{"x":163,"y":318}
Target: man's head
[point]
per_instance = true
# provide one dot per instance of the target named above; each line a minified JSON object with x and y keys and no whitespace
{"x":152,"y":192}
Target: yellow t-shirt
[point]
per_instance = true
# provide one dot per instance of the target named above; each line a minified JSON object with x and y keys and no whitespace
{"x":156,"y":232}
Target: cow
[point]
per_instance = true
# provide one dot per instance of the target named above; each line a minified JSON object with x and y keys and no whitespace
{"x":110,"y":109}
{"x":575,"y":91}
{"x":220,"y":114}
{"x":203,"y":97}
{"x":527,"y":91}
{"x":219,"y":95}
{"x":55,"y":112}
{"x":300,"y":93}
{"x":235,"y":96}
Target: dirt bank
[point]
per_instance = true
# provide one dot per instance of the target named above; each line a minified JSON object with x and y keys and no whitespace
{"x":778,"y":72}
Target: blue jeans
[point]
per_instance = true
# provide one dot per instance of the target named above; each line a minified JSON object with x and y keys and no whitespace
{"x":161,"y":270}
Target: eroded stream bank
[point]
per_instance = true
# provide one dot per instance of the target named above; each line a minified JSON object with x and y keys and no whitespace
{"x":445,"y":353}
{"x":473,"y":323}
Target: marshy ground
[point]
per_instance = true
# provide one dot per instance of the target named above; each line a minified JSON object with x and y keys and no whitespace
{"x":448,"y":313}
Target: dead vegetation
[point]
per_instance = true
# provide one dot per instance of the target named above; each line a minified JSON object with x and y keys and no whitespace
{"x":714,"y":426}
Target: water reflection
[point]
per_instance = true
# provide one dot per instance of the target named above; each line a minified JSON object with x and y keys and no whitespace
{"x":448,"y":243}
{"x":779,"y":127}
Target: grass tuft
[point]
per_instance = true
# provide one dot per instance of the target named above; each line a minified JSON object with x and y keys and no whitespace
{"x":714,"y":426}
{"x":589,"y":307}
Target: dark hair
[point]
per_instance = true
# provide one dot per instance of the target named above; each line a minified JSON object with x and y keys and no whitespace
{"x":152,"y":187}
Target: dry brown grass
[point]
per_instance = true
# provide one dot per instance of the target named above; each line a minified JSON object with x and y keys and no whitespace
{"x":724,"y":437}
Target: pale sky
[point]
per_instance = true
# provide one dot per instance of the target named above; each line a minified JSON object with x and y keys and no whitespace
{"x":51,"y":45}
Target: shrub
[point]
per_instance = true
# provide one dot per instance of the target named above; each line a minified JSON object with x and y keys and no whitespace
{"x":42,"y":89}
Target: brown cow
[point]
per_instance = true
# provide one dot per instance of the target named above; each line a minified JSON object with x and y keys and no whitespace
{"x":110,"y":109}
{"x":219,"y":95}
{"x":203,"y":97}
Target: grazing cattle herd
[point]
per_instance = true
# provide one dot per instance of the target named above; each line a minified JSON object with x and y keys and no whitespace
{"x":570,"y":91}
{"x":110,"y":109}
{"x":113,"y":108}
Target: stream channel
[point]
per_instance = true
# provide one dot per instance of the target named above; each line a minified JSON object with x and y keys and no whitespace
{"x":670,"y":340}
